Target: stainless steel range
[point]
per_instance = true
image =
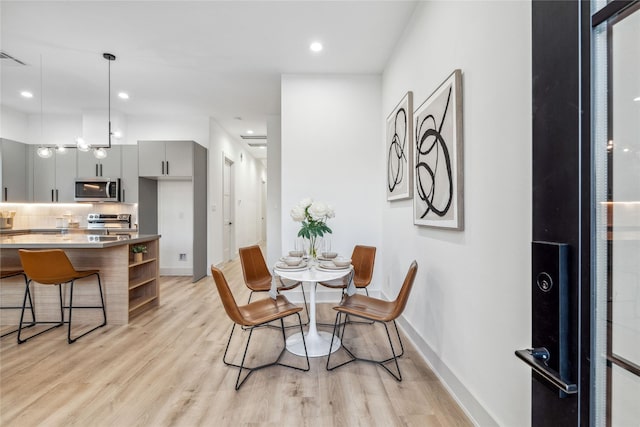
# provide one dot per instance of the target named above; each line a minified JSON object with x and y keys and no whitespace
{"x":98,"y":220}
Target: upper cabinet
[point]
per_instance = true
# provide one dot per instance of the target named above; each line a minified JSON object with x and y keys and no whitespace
{"x":164,"y":159}
{"x":13,"y":161}
{"x":109,"y":167}
{"x":129,"y":182}
{"x":53,"y":178}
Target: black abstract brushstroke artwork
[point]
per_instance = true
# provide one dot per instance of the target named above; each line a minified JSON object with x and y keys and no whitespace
{"x":397,"y":156}
{"x":430,"y":142}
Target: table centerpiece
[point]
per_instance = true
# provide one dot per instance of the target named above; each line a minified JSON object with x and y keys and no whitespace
{"x":313,"y":216}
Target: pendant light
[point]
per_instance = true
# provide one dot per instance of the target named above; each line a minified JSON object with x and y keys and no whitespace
{"x":101,"y":153}
{"x":42,"y":151}
{"x":81,"y":144}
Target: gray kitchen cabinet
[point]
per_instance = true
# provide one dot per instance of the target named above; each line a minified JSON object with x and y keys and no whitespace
{"x":163,"y":159}
{"x":53,"y":178}
{"x":192,"y":166}
{"x":129,"y":181}
{"x":13,"y":162}
{"x":109,"y":167}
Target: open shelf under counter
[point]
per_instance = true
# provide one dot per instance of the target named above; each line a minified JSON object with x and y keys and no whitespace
{"x":144,"y":284}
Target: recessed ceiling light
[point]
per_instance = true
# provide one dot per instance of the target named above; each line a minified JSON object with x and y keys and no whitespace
{"x":250,"y":132}
{"x":26,"y":94}
{"x":316,"y":46}
{"x":637,"y":99}
{"x":123,"y":95}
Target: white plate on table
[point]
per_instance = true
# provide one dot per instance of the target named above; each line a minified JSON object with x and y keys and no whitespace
{"x":330,"y":266}
{"x":283,"y":266}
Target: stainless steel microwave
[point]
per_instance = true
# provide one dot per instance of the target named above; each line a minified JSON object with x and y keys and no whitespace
{"x":97,"y":190}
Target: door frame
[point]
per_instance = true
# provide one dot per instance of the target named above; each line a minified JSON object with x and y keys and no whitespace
{"x":562,"y":185}
{"x":561,"y":188}
{"x":228,"y":161}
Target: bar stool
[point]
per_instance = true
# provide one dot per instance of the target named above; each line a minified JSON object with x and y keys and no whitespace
{"x":5,"y":274}
{"x":52,"y":267}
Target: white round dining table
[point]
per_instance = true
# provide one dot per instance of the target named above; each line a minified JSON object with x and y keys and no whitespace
{"x":317,"y":342}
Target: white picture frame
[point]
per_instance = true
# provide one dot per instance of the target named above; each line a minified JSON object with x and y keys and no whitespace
{"x":438,"y":171}
{"x":399,"y":146}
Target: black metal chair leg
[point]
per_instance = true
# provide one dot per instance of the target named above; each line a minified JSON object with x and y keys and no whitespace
{"x":241,"y":367}
{"x":33,"y":313}
{"x":224,"y":357}
{"x":394,"y":358}
{"x":104,"y":312}
{"x":27,"y":294}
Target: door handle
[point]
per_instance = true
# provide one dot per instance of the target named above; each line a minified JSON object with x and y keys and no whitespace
{"x":123,"y":198}
{"x":6,"y":194}
{"x":101,"y":170}
{"x":536,"y":358}
{"x":163,"y":167}
{"x":97,"y":170}
{"x":57,"y":199}
{"x":167,"y":167}
{"x":52,"y":196}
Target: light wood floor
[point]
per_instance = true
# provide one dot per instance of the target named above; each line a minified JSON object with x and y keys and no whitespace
{"x":165,"y":369}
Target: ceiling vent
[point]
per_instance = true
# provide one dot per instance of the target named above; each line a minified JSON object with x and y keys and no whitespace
{"x":257,"y":144}
{"x":253,"y":136}
{"x":10,"y":59}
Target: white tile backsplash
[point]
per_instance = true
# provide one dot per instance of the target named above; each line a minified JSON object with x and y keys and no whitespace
{"x":43,"y":215}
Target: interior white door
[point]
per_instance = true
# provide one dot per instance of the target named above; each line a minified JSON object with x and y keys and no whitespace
{"x":227,"y":217}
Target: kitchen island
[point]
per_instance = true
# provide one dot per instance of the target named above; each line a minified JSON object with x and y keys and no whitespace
{"x":129,"y":287}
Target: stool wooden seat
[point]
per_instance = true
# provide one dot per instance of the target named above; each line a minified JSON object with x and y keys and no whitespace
{"x":5,"y":274}
{"x":52,"y":267}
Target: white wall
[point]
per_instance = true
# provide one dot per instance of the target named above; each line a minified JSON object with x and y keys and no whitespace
{"x":181,"y":128}
{"x":331,"y":133}
{"x":470,"y":308}
{"x":175,"y":225}
{"x":248,"y":176}
{"x":55,"y":129}
{"x":274,"y":190}
{"x":13,"y":124}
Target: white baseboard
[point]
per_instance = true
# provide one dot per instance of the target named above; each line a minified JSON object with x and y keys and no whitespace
{"x":176,"y":271}
{"x":469,"y":404}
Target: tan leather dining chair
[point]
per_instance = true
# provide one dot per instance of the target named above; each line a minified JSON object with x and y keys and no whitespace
{"x":362,"y":259}
{"x":52,"y":267}
{"x":5,"y":274}
{"x":251,"y":316}
{"x":257,"y":276}
{"x":378,"y":311}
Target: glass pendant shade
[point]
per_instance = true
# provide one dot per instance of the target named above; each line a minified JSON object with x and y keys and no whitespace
{"x":44,"y":152}
{"x":100,"y":153}
{"x":82,"y":145}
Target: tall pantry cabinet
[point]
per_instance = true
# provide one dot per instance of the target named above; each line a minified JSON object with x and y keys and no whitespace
{"x":175,"y":161}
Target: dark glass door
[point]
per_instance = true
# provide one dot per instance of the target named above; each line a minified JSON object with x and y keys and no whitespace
{"x":585,"y":282}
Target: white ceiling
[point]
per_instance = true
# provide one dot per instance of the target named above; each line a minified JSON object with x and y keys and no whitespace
{"x":220,"y":59}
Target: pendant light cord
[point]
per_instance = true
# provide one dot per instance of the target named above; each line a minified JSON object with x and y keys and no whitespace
{"x":41,"y":104}
{"x":109,"y":57}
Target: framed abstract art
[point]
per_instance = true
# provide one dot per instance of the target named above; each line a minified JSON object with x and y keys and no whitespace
{"x":438,"y":171}
{"x":399,"y":143}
